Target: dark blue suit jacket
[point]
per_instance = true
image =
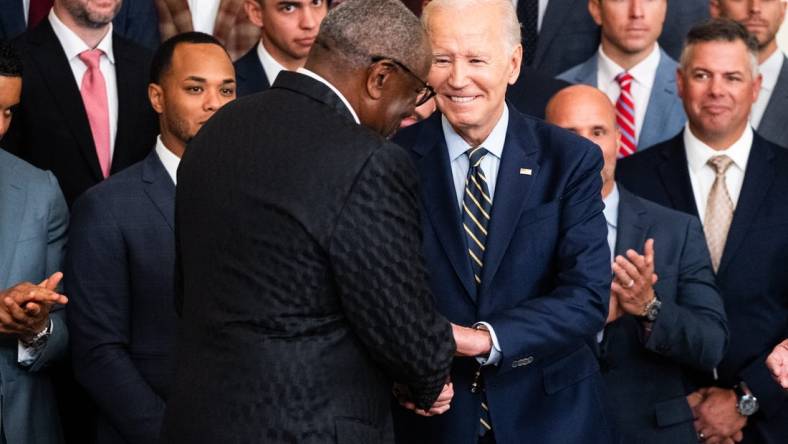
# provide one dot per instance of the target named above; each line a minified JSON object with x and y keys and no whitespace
{"x":136,"y":21}
{"x":119,"y":278}
{"x":249,"y":74}
{"x":690,"y":330}
{"x":751,"y":278}
{"x":545,"y":286}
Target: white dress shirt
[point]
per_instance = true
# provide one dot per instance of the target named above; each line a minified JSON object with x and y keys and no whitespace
{"x":702,"y":175}
{"x":542,"y":9}
{"x":459,"y":170}
{"x":611,"y":217}
{"x":168,"y":159}
{"x":770,"y":70}
{"x":320,"y":79}
{"x":26,"y":10}
{"x":271,"y":67}
{"x":204,"y":14}
{"x":643,"y":75}
{"x":72,"y":45}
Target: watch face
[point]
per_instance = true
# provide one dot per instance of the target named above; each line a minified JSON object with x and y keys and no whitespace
{"x":748,"y":405}
{"x":653,"y":311}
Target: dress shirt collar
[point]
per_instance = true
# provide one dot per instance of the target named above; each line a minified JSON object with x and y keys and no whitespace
{"x":73,"y":45}
{"x":611,"y":206}
{"x":168,"y":159}
{"x":642,"y":73}
{"x":271,"y":67}
{"x":320,"y":79}
{"x":698,"y":153}
{"x":770,"y":69}
{"x":493,"y":143}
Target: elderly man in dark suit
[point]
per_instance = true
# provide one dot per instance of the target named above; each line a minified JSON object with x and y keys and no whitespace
{"x":719,"y":170}
{"x":515,"y":242}
{"x":33,"y":333}
{"x":304,"y":294}
{"x":653,"y":329}
{"x":121,"y":255}
{"x":83,"y":112}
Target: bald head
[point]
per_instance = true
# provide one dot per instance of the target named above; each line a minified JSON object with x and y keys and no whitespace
{"x":587,"y":112}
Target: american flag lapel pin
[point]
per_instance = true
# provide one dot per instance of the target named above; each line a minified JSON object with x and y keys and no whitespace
{"x":526,"y":171}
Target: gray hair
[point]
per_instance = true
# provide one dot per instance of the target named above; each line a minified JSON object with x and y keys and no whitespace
{"x":511,"y":26}
{"x":357,"y":30}
{"x":720,"y":30}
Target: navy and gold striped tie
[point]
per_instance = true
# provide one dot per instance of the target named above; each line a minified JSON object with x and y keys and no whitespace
{"x":476,"y":210}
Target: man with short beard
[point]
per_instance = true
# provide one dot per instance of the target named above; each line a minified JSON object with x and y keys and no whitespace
{"x":83,"y":113}
{"x":763,"y":19}
{"x":121,"y":256}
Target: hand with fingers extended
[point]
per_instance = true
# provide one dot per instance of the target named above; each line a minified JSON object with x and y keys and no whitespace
{"x":717,"y":421}
{"x":633,"y":280}
{"x":777,"y":361}
{"x":440,"y":406}
{"x":25,"y":307}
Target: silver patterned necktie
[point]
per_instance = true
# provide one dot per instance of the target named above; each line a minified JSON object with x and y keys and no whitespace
{"x":719,"y":210}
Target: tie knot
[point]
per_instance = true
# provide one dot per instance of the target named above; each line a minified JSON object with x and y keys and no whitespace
{"x":91,"y":57}
{"x":475,"y":155}
{"x":720,"y":163}
{"x":624,"y":80}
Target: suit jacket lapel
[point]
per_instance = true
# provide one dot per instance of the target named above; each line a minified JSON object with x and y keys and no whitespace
{"x":773,"y":120}
{"x":12,"y":208}
{"x":440,"y":202}
{"x":674,"y":173}
{"x":757,"y":179}
{"x":663,"y":108}
{"x":55,"y":68}
{"x":630,"y":229}
{"x":512,"y":190}
{"x":159,"y":187}
{"x":587,"y":72}
{"x":13,"y":20}
{"x":551,"y":24}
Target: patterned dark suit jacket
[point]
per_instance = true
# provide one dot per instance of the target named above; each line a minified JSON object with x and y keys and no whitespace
{"x":304,"y":293}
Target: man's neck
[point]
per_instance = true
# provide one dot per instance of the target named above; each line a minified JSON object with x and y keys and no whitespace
{"x":719,"y":142}
{"x":91,"y":36}
{"x":607,"y":188}
{"x":624,"y":59}
{"x":173,"y":144}
{"x":282,"y":58}
{"x":767,"y":51}
{"x":475,"y":136}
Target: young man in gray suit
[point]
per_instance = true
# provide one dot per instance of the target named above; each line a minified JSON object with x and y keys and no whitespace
{"x":763,"y":19}
{"x":632,"y":69}
{"x":665,"y":311}
{"x":33,"y":333}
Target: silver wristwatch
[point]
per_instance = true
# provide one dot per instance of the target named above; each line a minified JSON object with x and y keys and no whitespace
{"x":747,"y":403}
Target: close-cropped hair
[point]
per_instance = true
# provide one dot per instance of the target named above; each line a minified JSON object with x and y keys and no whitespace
{"x":720,"y":30}
{"x":162,"y":59}
{"x":10,"y":62}
{"x":358,"y":30}
{"x":510,"y":23}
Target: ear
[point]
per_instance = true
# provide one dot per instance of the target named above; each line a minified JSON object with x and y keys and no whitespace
{"x":254,"y":11}
{"x":679,"y":82}
{"x":714,"y":8}
{"x":594,"y":8}
{"x":156,"y":97}
{"x":515,"y":62}
{"x":379,"y":76}
{"x":756,"y":86}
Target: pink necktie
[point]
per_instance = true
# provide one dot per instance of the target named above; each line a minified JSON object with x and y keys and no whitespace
{"x":94,"y":97}
{"x":625,"y":115}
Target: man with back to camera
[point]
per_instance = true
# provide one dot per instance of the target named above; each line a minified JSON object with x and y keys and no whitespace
{"x":121,"y":256}
{"x":721,"y":171}
{"x":304,"y":295}
{"x":288,"y":32}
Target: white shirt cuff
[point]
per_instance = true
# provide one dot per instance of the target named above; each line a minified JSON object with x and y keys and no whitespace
{"x":28,"y":355}
{"x":495,"y":351}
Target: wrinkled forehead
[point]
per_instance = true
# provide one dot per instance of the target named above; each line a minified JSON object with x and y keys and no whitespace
{"x":468,"y":30}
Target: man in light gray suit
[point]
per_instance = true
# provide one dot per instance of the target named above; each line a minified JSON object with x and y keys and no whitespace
{"x":634,"y":72}
{"x":763,"y":19}
{"x":33,"y":221}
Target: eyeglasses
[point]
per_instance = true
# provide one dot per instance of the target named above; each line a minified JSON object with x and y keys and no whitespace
{"x":424,"y":94}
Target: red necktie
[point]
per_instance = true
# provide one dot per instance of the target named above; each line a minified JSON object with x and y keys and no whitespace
{"x":94,"y":97}
{"x":625,"y":115}
{"x":38,"y":10}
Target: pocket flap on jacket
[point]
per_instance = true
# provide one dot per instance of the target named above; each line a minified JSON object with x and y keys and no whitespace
{"x":569,"y":370}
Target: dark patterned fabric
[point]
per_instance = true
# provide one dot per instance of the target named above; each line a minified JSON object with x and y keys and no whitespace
{"x":528,"y":10}
{"x":304,"y":290}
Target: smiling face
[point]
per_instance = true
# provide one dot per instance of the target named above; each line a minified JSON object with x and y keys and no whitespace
{"x":472,"y":67}
{"x":718,"y":89}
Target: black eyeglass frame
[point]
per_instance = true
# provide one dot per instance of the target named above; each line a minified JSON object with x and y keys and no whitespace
{"x":426,"y":90}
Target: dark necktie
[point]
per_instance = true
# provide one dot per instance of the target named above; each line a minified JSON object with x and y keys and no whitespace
{"x":37,"y":12}
{"x":528,"y":13}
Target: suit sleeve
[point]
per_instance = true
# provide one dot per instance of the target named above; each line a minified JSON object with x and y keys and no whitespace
{"x":376,"y":254}
{"x":98,"y":283}
{"x":576,"y":308}
{"x":57,"y":227}
{"x":692,"y":329}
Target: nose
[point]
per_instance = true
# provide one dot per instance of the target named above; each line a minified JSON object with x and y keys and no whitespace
{"x":458,"y":78}
{"x":636,"y":9}
{"x":716,"y":86}
{"x":308,"y":18}
{"x":755,"y":7}
{"x":213,"y":100}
